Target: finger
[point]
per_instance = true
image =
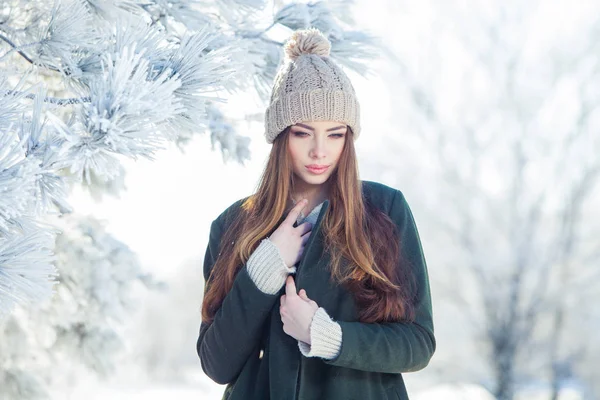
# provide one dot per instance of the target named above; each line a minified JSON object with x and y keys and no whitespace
{"x":304,"y":228}
{"x":282,"y":300}
{"x":290,"y":286}
{"x":299,"y":256}
{"x":305,"y":238}
{"x":294,"y":212}
{"x":303,"y":295}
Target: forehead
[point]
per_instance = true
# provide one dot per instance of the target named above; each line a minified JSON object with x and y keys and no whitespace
{"x":319,"y":125}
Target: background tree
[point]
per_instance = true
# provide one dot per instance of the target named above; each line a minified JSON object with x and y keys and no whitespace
{"x":502,"y":112}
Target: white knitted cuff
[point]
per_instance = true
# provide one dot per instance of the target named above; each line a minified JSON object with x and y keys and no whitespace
{"x":267,"y":268}
{"x":325,"y":337}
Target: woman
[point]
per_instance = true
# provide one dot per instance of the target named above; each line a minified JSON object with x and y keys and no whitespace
{"x":331,"y":305}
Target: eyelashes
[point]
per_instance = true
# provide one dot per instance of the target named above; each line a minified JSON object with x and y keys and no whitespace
{"x":304,"y":134}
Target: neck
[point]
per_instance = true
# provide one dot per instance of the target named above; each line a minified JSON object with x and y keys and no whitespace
{"x":315,"y":194}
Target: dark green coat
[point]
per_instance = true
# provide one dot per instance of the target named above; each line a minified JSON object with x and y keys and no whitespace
{"x":372,"y":356}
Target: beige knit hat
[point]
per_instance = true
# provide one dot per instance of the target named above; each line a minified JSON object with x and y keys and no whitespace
{"x":310,"y":86}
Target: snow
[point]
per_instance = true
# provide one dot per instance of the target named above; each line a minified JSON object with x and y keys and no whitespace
{"x":454,"y":392}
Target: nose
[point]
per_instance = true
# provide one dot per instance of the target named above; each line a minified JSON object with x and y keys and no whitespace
{"x":317,"y":149}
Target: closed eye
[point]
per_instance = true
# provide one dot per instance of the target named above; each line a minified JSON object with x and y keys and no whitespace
{"x":304,"y":134}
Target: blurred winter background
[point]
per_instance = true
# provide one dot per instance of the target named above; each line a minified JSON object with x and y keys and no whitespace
{"x":127,"y":126}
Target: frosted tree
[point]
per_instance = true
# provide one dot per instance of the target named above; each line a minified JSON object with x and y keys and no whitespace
{"x":80,"y":327}
{"x":130,"y":82}
{"x":83,"y":84}
{"x":506,"y":111}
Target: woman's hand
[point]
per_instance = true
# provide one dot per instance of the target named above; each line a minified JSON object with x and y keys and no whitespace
{"x":289,"y":240}
{"x":297,"y":311}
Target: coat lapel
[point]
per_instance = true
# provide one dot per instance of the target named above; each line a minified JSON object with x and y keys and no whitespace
{"x":313,"y":249}
{"x":313,"y":274}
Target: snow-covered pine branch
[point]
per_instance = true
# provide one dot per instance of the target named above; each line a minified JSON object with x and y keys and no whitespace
{"x":84,"y":83}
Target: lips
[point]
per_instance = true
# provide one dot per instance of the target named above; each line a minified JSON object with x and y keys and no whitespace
{"x":317,"y":169}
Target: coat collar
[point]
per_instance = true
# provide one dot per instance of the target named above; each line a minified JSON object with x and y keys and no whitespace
{"x":314,"y":247}
{"x":312,"y":216}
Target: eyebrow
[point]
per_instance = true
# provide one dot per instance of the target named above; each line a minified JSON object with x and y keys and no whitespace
{"x":328,"y":130}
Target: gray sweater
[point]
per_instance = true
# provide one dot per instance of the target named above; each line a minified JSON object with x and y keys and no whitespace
{"x":269,"y":272}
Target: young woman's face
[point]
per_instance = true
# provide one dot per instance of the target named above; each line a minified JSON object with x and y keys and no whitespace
{"x":315,"y":148}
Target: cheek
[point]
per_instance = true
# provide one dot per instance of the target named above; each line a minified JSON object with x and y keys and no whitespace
{"x":337,"y":151}
{"x":294,"y":150}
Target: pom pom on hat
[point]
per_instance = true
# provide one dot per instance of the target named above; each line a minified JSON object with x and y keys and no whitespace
{"x":307,"y":41}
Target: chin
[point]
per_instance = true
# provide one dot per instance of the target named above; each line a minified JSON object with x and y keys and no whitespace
{"x":315,"y":179}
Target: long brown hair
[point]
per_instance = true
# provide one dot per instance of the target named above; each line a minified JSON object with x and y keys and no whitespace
{"x":364,"y":257}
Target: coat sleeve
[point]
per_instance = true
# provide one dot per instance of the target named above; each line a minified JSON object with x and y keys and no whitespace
{"x":225,"y":344}
{"x":394,"y":347}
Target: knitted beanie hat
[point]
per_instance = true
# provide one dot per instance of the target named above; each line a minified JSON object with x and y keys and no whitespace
{"x":310,"y":86}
